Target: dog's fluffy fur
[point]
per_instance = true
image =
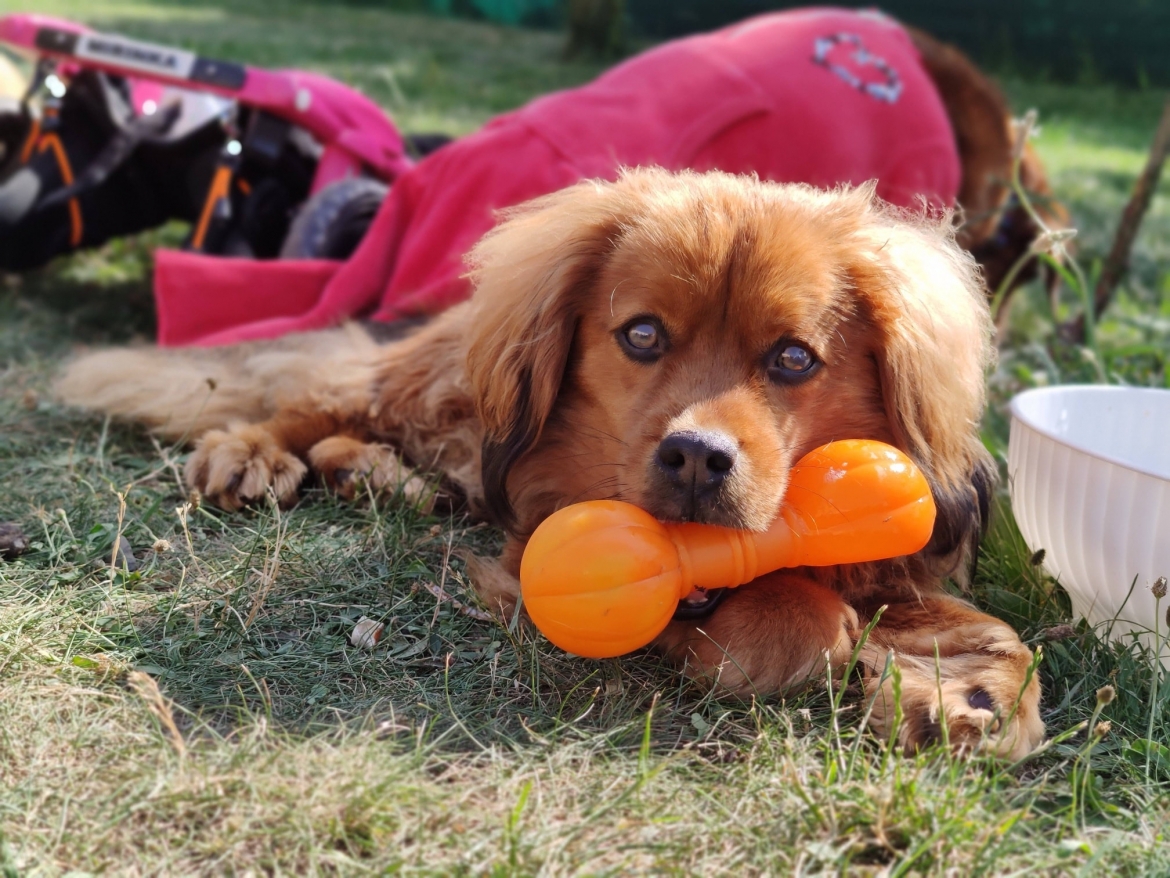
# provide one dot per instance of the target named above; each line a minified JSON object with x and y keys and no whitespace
{"x":526,"y":398}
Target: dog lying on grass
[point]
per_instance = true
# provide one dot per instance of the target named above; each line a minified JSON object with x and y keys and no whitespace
{"x":677,"y":341}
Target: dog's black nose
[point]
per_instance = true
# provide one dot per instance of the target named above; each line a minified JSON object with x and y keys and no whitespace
{"x":697,"y":460}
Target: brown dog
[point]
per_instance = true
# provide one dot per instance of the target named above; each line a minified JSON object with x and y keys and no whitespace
{"x":995,"y":228}
{"x":678,"y":342}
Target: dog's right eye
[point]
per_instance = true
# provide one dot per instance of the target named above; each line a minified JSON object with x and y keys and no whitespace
{"x":791,"y":362}
{"x":643,"y":339}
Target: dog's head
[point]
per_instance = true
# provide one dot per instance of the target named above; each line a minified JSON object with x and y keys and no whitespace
{"x":679,"y":341}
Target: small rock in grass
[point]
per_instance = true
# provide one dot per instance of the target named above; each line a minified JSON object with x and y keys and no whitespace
{"x":1058,"y":632}
{"x":13,"y":542}
{"x":366,"y":633}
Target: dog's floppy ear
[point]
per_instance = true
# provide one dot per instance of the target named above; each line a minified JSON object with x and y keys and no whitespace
{"x":925,"y":298}
{"x":531,"y":275}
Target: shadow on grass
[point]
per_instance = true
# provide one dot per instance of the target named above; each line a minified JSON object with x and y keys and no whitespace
{"x":58,"y":313}
{"x":248,"y":615}
{"x":100,"y":296}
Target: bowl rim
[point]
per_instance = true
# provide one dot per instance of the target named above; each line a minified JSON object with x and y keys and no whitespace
{"x":1017,"y":415}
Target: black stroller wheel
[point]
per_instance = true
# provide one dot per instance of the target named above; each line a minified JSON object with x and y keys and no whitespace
{"x":333,"y":222}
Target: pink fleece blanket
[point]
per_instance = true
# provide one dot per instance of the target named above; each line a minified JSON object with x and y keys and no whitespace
{"x":820,"y":96}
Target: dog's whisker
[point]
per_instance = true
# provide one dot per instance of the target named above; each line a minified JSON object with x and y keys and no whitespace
{"x":587,"y":453}
{"x":585,"y":432}
{"x":607,"y":464}
{"x":601,"y":483}
{"x":590,"y":429}
{"x":609,"y":483}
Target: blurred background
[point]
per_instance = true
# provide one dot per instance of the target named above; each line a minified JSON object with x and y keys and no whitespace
{"x":1073,"y":41}
{"x":1095,"y":72}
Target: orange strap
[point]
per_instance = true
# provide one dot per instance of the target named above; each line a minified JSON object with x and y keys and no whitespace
{"x":220,"y":188}
{"x":34,"y":133}
{"x":51,"y":141}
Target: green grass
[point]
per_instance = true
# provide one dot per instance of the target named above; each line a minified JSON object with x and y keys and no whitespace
{"x":458,"y":746}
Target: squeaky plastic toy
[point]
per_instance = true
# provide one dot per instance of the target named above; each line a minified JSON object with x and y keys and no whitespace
{"x":603,"y":578}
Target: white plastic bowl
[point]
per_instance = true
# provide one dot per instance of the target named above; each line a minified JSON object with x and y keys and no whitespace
{"x":1089,"y":475}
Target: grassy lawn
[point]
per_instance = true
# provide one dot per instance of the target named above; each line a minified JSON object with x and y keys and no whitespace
{"x":207,"y":714}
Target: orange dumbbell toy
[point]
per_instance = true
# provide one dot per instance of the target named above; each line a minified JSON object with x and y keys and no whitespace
{"x":602,"y":578}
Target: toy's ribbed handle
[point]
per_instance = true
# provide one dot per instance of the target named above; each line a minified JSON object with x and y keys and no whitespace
{"x":719,"y":557}
{"x":848,"y":502}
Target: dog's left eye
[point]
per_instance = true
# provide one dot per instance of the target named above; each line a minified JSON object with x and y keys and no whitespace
{"x":643,"y":339}
{"x":791,"y":363}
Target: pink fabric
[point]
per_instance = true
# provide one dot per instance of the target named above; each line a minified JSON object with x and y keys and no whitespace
{"x":822,"y":96}
{"x":206,"y":299}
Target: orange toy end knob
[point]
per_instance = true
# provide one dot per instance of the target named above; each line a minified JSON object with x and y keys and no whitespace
{"x":856,"y":500}
{"x":601,"y":578}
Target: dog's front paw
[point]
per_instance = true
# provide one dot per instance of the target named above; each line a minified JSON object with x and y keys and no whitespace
{"x":976,"y":702}
{"x":497,"y":586}
{"x":236,"y":467}
{"x":773,"y":634}
{"x":349,"y":467}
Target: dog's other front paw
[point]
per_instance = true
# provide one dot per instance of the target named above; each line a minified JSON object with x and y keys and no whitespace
{"x":349,"y":466}
{"x":979,"y":702}
{"x":497,"y":586}
{"x":236,"y":467}
{"x":771,"y":635}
